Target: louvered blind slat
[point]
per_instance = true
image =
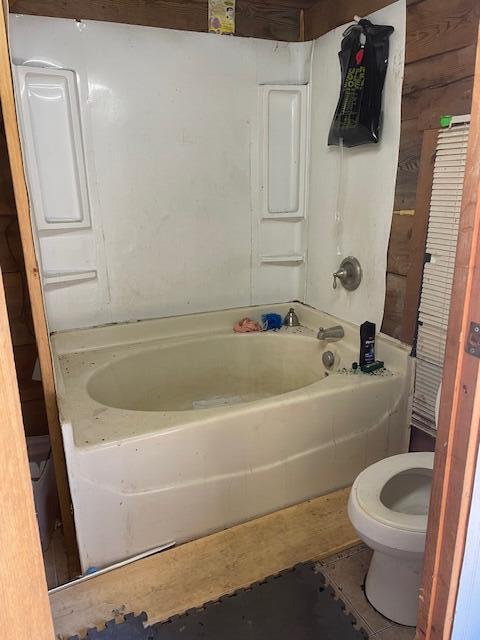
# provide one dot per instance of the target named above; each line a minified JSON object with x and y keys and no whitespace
{"x":441,"y":247}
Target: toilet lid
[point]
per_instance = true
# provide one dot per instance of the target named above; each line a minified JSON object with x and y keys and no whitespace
{"x":371,"y":482}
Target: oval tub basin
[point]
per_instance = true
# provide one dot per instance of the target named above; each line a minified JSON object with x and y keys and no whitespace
{"x":206,"y":373}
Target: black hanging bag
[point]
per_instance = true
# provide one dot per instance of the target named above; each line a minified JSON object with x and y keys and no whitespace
{"x":363,"y":62}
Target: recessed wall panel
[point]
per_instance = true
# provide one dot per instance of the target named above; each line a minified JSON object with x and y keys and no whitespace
{"x":53,"y":147}
{"x":284,"y":150}
{"x":284,"y":112}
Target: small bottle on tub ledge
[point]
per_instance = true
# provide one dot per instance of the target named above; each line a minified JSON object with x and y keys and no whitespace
{"x":367,"y":361}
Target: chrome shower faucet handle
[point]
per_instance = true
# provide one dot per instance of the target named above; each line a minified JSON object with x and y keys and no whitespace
{"x":349,"y":273}
{"x":341,"y":274}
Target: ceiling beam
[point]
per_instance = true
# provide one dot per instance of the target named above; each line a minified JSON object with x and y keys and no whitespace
{"x":270,"y":19}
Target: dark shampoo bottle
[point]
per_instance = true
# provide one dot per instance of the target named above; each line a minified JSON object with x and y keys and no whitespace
{"x":367,"y":343}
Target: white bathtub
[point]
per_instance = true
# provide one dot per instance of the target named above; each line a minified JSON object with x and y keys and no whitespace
{"x":177,"y":427}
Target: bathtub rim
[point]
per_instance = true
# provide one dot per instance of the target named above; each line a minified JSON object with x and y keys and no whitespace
{"x":192,"y":327}
{"x":207,"y":322}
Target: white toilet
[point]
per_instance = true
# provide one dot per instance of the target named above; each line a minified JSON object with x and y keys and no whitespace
{"x":388,"y":508}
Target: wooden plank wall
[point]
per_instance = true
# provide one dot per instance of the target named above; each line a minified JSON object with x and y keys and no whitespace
{"x":440,"y":58}
{"x":18,"y":303}
{"x":270,"y":19}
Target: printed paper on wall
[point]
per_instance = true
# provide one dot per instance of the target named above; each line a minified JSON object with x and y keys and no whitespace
{"x":221,"y":16}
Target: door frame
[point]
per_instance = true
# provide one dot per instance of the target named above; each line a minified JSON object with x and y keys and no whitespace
{"x":36,"y":295}
{"x":25,"y":610}
{"x":458,"y":429}
{"x":458,"y":435}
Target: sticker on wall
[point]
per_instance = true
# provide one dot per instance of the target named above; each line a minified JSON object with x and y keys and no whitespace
{"x":221,"y":16}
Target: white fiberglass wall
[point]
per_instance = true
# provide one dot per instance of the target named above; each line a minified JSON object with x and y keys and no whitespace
{"x":170,"y":123}
{"x":352,"y":197}
{"x":174,"y":172}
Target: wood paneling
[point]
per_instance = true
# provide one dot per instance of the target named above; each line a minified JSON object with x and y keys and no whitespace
{"x":187,"y":576}
{"x":408,"y":165}
{"x":421,"y":441}
{"x":439,"y":71}
{"x":399,"y":257}
{"x":428,"y":105}
{"x":325,"y":15}
{"x":440,"y":58}
{"x":395,"y":302}
{"x":276,"y":20}
{"x":34,"y":415}
{"x":14,"y":294}
{"x":110,"y":4}
{"x":11,"y":256}
{"x":418,"y":239}
{"x":259,"y":20}
{"x":437,"y":26}
{"x":19,"y":313}
{"x":433,"y":26}
{"x":24,"y":362}
{"x":7,"y":201}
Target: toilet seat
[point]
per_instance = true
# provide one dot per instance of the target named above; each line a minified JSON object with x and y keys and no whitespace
{"x":369,"y":485}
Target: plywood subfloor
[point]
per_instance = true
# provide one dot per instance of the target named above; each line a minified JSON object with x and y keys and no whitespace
{"x":205,"y":569}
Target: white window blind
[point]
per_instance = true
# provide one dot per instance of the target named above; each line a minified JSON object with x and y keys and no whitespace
{"x":445,"y":206}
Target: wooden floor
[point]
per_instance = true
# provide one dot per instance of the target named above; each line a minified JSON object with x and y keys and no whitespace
{"x":191,"y":574}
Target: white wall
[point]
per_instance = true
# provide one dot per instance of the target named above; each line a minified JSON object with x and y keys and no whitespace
{"x":169,"y":121}
{"x":367,"y":185}
{"x":467,"y":612}
{"x":172,"y":135}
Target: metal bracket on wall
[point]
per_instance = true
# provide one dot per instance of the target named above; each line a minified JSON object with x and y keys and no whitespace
{"x":473,"y":340}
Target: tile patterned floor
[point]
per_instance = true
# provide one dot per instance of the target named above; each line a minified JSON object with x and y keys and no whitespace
{"x":345,"y":572}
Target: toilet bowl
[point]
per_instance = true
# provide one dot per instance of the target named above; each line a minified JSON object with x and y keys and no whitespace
{"x":388,"y":508}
